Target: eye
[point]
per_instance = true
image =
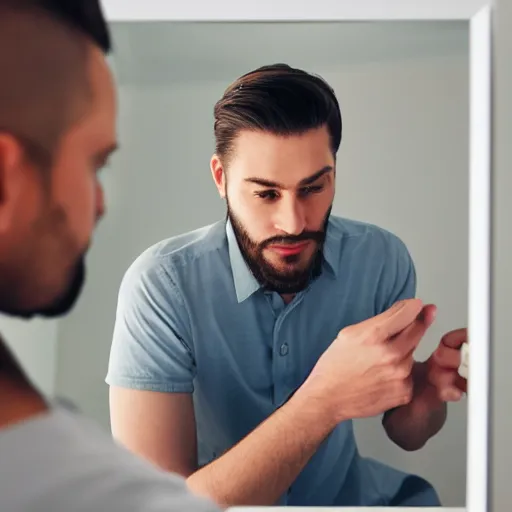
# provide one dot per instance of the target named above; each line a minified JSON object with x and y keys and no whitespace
{"x":268,"y":195}
{"x":306,"y":191}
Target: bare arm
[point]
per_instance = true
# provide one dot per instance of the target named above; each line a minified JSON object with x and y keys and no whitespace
{"x":412,"y":425}
{"x":257,"y":471}
{"x":159,"y":427}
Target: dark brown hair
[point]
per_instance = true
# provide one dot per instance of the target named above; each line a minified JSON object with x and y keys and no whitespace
{"x":277,"y":99}
{"x":43,"y":58}
{"x":86,"y":16}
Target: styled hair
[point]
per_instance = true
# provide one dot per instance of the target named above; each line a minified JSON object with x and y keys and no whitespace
{"x":277,"y":99}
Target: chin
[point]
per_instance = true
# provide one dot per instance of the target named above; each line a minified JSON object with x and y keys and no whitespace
{"x":47,"y":298}
{"x":63,"y":302}
{"x":67,"y":300}
{"x":294,"y":263}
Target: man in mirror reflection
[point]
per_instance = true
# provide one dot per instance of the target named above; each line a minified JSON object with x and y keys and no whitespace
{"x":236,"y":358}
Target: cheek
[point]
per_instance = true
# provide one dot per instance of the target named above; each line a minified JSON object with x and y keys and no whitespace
{"x":317,"y":209}
{"x":255,"y":218}
{"x":76,"y":193}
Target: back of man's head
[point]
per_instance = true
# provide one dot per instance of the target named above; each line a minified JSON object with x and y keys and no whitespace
{"x":43,"y":49}
{"x":82,"y":15}
{"x":57,"y":127}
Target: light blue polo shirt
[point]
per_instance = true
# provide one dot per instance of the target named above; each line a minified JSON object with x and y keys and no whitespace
{"x":191,"y":318}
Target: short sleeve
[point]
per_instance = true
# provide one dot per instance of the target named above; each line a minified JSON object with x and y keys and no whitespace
{"x":151,"y":347}
{"x":400,"y":274}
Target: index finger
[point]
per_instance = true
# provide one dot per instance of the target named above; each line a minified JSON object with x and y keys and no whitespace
{"x":406,"y":341}
{"x":397,"y":317}
{"x":455,"y":338}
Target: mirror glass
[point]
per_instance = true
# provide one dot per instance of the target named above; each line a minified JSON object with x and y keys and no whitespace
{"x":402,"y":167}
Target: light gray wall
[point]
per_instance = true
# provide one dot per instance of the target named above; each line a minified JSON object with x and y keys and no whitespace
{"x":501,"y":426}
{"x":35,"y":345}
{"x":403,"y":164}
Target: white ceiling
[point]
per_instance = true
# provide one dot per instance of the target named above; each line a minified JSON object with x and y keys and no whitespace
{"x":166,"y":52}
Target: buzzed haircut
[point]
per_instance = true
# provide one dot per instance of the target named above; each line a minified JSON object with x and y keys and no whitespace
{"x":44,"y":50}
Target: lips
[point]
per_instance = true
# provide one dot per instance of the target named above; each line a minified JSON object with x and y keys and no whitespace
{"x":289,"y":249}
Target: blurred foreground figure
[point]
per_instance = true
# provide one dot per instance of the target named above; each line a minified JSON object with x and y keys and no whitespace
{"x":57,"y":129}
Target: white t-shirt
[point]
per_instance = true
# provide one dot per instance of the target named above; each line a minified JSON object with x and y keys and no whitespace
{"x":62,"y":462}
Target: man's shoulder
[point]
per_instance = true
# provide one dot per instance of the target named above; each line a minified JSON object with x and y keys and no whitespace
{"x":169,"y":256}
{"x":380,"y":260}
{"x":355,"y":232}
{"x":62,"y":461}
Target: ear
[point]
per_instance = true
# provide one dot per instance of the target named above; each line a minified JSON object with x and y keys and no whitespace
{"x":219,"y":176}
{"x":11,"y":179}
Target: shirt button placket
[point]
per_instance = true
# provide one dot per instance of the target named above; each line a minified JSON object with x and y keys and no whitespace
{"x":283,"y":361}
{"x":281,"y":366}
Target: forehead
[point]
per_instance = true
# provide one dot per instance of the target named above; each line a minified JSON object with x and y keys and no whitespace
{"x":103,"y":89}
{"x":287,"y":159}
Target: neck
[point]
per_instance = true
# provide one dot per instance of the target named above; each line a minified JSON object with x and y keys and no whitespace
{"x":287,"y":297}
{"x":19,"y":400}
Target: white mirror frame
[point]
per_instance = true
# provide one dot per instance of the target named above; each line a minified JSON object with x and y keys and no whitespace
{"x":479,"y":15}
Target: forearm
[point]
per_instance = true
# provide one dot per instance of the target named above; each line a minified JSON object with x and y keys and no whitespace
{"x":259,"y":469}
{"x":412,"y":425}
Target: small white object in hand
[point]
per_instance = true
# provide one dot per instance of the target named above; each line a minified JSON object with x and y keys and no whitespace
{"x":464,"y":355}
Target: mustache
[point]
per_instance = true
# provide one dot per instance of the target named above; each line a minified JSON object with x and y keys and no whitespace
{"x":306,"y":236}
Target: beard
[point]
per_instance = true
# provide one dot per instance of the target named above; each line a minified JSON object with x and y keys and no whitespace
{"x":290,"y":281}
{"x":66,"y":301}
{"x":18,"y":305}
{"x":43,"y":275}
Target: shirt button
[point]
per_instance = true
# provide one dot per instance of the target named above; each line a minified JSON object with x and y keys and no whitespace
{"x":284,"y":349}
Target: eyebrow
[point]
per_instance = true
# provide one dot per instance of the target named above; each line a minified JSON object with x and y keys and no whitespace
{"x":302,"y":183}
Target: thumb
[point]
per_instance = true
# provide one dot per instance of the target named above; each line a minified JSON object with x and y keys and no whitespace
{"x":455,"y":339}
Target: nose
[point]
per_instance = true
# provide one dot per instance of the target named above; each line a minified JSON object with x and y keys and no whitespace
{"x":291,"y":216}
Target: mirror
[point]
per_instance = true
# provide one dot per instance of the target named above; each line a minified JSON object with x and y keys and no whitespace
{"x":402,"y":165}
